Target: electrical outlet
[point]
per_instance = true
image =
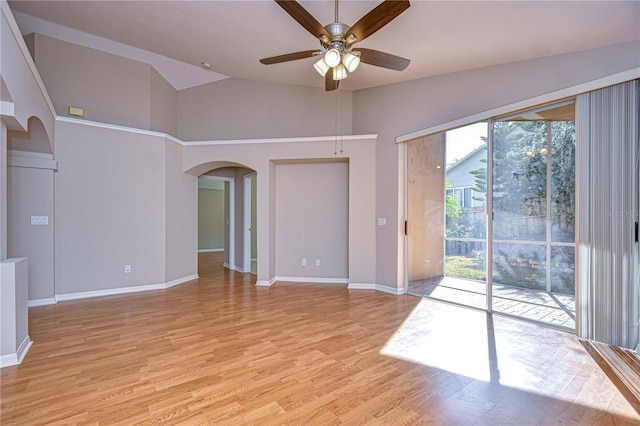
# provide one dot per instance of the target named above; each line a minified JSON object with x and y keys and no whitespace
{"x":317,"y":262}
{"x":127,"y":269}
{"x":304,"y":262}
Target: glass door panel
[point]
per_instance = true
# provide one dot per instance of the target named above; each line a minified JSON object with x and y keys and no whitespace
{"x":533,"y":244}
{"x":447,"y":249}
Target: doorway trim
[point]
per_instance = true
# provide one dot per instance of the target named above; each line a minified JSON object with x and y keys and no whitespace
{"x":246,"y":225}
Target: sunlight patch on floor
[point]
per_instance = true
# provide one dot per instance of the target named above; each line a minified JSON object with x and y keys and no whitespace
{"x":447,"y":346}
{"x":506,"y":352}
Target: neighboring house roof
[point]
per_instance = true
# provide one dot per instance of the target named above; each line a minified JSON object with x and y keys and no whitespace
{"x":464,"y":159}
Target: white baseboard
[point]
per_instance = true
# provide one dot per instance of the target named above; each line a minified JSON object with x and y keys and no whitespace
{"x":123,"y":290}
{"x":210,"y":250}
{"x":391,"y":290}
{"x":181,"y":280}
{"x":232,"y":268}
{"x":24,"y":348}
{"x":263,"y":283}
{"x":41,"y":302}
{"x":16,"y":358}
{"x":377,"y":287}
{"x":354,"y":286}
{"x":313,"y":280}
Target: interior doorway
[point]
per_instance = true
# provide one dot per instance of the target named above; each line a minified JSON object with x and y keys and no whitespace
{"x":216,"y":217}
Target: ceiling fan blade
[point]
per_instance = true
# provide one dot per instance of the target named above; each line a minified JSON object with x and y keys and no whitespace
{"x":382,"y":59}
{"x":377,"y":18}
{"x":303,"y":17}
{"x":329,"y":83}
{"x":288,"y":57}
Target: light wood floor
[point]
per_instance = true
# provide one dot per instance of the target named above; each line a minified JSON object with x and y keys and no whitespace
{"x":222,"y":351}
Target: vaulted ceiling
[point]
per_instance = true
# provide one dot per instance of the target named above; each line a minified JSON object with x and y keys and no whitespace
{"x":438,"y":36}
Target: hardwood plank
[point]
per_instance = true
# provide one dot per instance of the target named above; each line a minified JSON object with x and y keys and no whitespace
{"x":221,"y":351}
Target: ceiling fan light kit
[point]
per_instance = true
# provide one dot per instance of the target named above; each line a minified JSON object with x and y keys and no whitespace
{"x":337,"y":39}
{"x":339,"y":73}
{"x":321,"y":66}
{"x":332,"y":57}
{"x":351,"y":61}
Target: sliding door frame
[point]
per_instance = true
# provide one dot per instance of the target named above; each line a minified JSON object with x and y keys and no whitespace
{"x":569,"y":92}
{"x":489,"y":240}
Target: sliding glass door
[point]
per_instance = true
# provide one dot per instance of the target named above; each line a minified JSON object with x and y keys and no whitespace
{"x":533,"y":256}
{"x":519,"y":259}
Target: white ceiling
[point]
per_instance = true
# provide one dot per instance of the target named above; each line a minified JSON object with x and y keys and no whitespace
{"x":438,"y":36}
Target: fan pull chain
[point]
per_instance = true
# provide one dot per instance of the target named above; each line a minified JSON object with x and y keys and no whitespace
{"x":335,"y":142}
{"x":341,"y":118}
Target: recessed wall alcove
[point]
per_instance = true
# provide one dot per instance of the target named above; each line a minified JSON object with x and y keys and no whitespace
{"x":265,"y":156}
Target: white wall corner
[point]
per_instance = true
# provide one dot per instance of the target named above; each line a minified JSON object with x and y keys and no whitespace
{"x":391,"y":290}
{"x":361,"y":286}
{"x":16,"y":358}
{"x":263,"y":283}
{"x":181,"y":280}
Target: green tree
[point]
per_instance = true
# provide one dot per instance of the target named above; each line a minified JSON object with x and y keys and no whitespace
{"x":452,"y":209}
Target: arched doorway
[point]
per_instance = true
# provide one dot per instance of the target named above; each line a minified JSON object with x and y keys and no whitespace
{"x":227,"y":216}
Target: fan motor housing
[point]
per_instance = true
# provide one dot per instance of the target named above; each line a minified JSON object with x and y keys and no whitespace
{"x":337,"y":31}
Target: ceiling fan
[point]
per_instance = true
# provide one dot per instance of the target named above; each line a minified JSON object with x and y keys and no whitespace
{"x":338,"y":57}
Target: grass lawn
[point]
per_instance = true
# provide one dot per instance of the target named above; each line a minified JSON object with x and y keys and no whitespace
{"x":464,"y":267}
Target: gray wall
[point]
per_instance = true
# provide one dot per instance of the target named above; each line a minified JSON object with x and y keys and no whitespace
{"x":238,"y":109}
{"x":31,"y":193}
{"x":211,"y":218}
{"x":163,"y":105}
{"x":312,"y":219}
{"x":181,"y":216}
{"x":110,"y":209}
{"x":110,"y":88}
{"x":264,"y":159}
{"x":424,"y":103}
